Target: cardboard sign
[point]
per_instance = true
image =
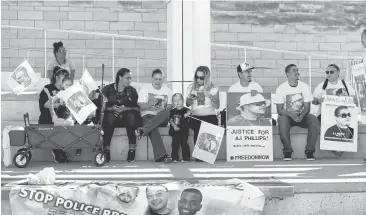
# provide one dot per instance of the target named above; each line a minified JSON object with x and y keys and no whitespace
{"x":249,"y":127}
{"x":339,"y":125}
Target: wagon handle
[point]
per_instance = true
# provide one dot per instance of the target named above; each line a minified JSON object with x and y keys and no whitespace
{"x":26,"y":119}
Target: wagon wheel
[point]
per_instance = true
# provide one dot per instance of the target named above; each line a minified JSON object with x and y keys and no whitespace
{"x":23,"y":150}
{"x":100,"y":159}
{"x":21,"y":159}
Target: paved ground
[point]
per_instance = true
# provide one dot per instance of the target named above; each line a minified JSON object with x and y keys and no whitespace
{"x":317,"y":176}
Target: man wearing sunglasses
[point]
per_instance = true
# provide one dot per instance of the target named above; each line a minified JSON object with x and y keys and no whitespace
{"x":289,"y":96}
{"x":340,"y":132}
{"x":252,"y":111}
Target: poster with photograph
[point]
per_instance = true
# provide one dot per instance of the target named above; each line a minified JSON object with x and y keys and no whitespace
{"x":104,"y":198}
{"x":249,"y":127}
{"x":22,"y":78}
{"x":87,"y":82}
{"x":359,"y":79}
{"x":208,"y":142}
{"x":157,"y":101}
{"x":339,"y":130}
{"x":77,"y":102}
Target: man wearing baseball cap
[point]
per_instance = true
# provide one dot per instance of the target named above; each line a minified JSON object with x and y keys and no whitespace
{"x":252,"y":111}
{"x":245,"y":83}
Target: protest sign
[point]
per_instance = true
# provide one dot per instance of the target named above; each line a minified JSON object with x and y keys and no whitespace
{"x":77,"y":102}
{"x":208,"y":142}
{"x":104,"y":198}
{"x":22,"y":78}
{"x":87,"y":82}
{"x":339,"y":125}
{"x":249,"y":127}
{"x":359,"y":79}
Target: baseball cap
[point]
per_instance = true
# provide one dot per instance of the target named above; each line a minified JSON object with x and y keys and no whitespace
{"x":249,"y":99}
{"x":243,"y":67}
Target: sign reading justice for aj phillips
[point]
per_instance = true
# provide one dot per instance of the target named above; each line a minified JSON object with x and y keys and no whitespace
{"x":249,"y":143}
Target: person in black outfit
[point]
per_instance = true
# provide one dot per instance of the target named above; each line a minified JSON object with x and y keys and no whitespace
{"x":44,"y":105}
{"x":121,"y":111}
{"x":179,"y":128}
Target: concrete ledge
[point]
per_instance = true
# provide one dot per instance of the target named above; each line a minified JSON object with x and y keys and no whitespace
{"x":119,"y":147}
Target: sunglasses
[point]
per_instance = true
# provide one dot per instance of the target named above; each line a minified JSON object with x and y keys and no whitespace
{"x":62,"y":50}
{"x":331,"y":72}
{"x":200,"y":78}
{"x":345,"y":115}
{"x":259,"y":103}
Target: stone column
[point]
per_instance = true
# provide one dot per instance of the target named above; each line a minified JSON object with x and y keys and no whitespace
{"x":189,"y":40}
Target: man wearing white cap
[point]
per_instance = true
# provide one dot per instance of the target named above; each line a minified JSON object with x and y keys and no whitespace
{"x":252,"y":111}
{"x":245,"y":83}
{"x":293,"y":107}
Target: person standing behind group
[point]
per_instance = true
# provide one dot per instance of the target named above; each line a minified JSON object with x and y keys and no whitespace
{"x":286,"y":94}
{"x":121,"y":110}
{"x":363,"y":42}
{"x":203,"y":98}
{"x":60,"y":60}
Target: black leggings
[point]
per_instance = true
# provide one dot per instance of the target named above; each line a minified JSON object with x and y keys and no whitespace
{"x":196,"y":124}
{"x":131,"y":119}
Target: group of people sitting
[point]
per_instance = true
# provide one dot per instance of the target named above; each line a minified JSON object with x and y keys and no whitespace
{"x":156,"y":105}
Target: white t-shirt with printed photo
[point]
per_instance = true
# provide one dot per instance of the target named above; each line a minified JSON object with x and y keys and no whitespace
{"x":337,"y":89}
{"x":238,"y":88}
{"x":156,"y":99}
{"x":202,"y":104}
{"x":293,"y":98}
{"x":68,"y":65}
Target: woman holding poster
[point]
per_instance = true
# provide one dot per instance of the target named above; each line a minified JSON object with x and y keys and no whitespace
{"x":203,"y":97}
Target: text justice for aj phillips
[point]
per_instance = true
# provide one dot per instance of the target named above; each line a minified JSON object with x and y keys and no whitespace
{"x":46,"y":198}
{"x":250,"y":134}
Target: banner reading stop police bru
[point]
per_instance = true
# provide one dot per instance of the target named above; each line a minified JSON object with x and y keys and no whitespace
{"x":249,"y":127}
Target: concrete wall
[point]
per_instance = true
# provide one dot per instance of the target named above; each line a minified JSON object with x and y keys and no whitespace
{"x":137,"y":18}
{"x":322,"y":27}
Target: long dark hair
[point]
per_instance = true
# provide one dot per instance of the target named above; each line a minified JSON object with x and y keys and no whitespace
{"x":56,"y":47}
{"x":122,"y":72}
{"x":326,"y":80}
{"x":58,"y":71}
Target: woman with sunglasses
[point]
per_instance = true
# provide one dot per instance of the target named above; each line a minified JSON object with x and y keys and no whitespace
{"x":203,"y":98}
{"x":332,"y":85}
{"x":340,"y":132}
{"x":60,"y":60}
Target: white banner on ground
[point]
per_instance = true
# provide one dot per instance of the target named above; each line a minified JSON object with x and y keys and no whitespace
{"x":249,"y":127}
{"x":78,"y":102}
{"x":208,"y":142}
{"x":339,"y":125}
{"x":105,"y":198}
{"x":87,"y":82}
{"x":359,"y":79}
{"x":22,"y":78}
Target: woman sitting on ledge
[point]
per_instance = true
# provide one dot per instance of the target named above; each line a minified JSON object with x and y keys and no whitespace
{"x":121,"y":111}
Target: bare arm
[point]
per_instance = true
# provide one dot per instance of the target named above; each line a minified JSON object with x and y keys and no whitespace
{"x":72,"y":75}
{"x":215,"y":100}
{"x":49,"y":74}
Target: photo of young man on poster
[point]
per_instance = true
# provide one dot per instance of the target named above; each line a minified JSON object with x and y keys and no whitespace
{"x":340,"y":132}
{"x":252,"y":111}
{"x":190,"y":202}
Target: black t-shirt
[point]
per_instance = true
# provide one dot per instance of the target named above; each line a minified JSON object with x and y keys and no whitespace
{"x":45,"y":117}
{"x":336,"y":133}
{"x":178,"y":117}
